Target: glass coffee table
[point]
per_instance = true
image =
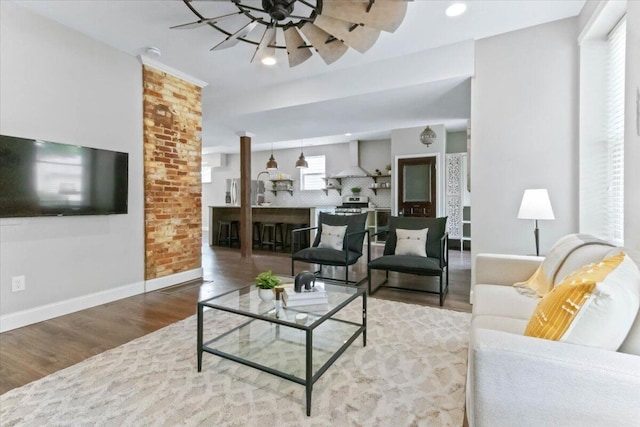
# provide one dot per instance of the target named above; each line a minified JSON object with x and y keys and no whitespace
{"x":243,"y":328}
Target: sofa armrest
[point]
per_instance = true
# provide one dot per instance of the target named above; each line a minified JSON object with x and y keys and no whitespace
{"x":498,"y":269}
{"x":518,"y":380}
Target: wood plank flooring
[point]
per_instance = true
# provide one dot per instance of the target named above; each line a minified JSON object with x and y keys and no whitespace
{"x":34,"y":351}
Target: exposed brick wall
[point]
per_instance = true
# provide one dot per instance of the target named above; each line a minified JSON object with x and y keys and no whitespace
{"x":172,"y":166}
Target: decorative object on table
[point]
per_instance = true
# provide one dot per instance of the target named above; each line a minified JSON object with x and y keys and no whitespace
{"x":265,"y":282}
{"x":301,"y":163}
{"x":326,"y":26}
{"x":314,"y":296}
{"x":306,"y":279}
{"x":428,"y":136}
{"x":356,"y":191}
{"x":536,"y":206}
{"x":272,"y":164}
{"x":279,"y":310}
{"x":301,"y":318}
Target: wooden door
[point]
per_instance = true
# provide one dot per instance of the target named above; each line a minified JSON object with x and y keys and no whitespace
{"x":417,"y":187}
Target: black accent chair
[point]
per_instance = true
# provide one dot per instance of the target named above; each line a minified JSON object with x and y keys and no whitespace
{"x":351,"y":249}
{"x":435,"y":264}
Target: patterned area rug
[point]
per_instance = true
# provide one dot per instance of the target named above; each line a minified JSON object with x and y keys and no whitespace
{"x":411,"y":373}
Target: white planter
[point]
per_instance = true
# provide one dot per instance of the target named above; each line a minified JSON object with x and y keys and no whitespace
{"x":266,"y":294}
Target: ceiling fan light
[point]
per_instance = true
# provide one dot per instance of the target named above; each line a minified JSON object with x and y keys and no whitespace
{"x":269,"y":60}
{"x":272,"y":164}
{"x":302,"y":162}
{"x":456,"y":9}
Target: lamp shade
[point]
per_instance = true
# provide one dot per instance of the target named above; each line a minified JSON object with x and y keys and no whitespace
{"x":302,"y":162}
{"x":536,"y":205}
{"x":272,"y":164}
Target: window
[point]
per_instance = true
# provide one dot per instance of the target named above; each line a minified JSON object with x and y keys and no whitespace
{"x":615,"y":133}
{"x":312,"y":178}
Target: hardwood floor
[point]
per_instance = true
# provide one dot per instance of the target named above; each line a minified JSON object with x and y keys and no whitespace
{"x":34,"y":351}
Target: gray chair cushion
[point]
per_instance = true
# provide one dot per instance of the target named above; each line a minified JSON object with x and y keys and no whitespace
{"x":326,"y":256}
{"x":437,"y":227}
{"x":354,"y":224}
{"x":408,"y":264}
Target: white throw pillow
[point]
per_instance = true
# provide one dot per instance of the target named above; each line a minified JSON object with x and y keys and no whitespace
{"x":332,"y":236}
{"x":411,"y":242}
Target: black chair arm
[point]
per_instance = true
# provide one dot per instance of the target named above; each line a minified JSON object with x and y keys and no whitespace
{"x":299,"y":230}
{"x":382,"y":231}
{"x":444,"y":250}
{"x":355,"y":233}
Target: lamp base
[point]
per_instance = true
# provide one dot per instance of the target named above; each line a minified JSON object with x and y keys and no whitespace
{"x":536,"y":233}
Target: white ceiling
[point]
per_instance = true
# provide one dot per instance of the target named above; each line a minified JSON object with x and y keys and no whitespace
{"x":398,"y":83}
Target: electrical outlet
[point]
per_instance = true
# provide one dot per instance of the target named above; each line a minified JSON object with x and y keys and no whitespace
{"x":18,"y":284}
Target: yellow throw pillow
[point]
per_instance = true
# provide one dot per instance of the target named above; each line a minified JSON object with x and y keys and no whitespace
{"x":594,"y":306}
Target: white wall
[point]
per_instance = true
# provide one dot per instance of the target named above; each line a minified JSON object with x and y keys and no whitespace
{"x":524,"y":134}
{"x":61,"y":86}
{"x":632,"y":129}
{"x":406,"y":143}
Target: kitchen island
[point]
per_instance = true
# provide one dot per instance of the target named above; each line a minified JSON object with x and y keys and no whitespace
{"x":264,"y":214}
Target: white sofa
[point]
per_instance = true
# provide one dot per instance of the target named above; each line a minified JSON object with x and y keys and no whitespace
{"x":514,"y":380}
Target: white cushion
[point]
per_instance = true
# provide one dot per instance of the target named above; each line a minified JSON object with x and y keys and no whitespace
{"x":411,"y":242}
{"x":505,"y":301}
{"x":332,"y":236}
{"x":497,"y":323}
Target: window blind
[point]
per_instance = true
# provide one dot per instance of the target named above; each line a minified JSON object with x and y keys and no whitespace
{"x":312,"y":178}
{"x":615,"y":133}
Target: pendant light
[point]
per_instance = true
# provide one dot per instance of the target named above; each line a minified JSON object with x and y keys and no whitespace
{"x":301,"y":163}
{"x":272,"y":165}
{"x":428,"y":136}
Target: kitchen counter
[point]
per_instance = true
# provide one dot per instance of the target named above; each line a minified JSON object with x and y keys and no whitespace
{"x":265,"y":214}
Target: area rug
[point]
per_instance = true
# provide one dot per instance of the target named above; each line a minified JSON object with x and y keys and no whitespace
{"x":411,"y":373}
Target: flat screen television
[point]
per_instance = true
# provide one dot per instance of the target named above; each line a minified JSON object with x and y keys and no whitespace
{"x":41,"y":178}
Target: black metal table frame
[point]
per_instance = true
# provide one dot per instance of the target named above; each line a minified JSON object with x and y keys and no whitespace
{"x":310,"y":378}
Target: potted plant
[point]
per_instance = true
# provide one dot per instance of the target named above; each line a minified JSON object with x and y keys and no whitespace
{"x":388,"y":168}
{"x":356,"y":191}
{"x":265,"y":282}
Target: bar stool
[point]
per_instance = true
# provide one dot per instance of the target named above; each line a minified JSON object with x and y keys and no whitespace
{"x":256,"y":233}
{"x":300,"y":239}
{"x":231,"y":232}
{"x":269,"y":236}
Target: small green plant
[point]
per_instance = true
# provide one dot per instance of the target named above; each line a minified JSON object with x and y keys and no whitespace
{"x":267,"y":280}
{"x":356,"y":190}
{"x":388,"y":167}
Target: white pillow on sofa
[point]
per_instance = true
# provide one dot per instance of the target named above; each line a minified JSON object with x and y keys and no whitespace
{"x":332,"y":236}
{"x":411,"y":242}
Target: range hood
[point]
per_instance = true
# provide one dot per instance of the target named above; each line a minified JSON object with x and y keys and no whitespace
{"x":353,"y":171}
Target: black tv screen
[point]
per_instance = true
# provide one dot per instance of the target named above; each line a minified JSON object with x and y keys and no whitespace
{"x":41,"y":178}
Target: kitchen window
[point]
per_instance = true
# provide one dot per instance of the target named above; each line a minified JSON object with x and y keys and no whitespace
{"x":312,"y":178}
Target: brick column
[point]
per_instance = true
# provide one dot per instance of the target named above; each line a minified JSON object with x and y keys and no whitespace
{"x":172,"y":167}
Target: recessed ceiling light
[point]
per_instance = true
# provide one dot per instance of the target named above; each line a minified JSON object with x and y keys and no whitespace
{"x":347,"y":134}
{"x":269,"y":60}
{"x":456,"y":9}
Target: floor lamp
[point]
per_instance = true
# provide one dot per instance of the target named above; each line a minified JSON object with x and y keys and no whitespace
{"x":536,"y":206}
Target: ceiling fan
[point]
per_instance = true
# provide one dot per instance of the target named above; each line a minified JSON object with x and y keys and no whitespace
{"x":329,"y":26}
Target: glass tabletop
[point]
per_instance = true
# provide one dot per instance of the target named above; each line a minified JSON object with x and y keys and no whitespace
{"x":247,"y":301}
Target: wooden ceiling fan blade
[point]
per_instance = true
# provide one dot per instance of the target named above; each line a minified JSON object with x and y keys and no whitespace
{"x":383,"y":15}
{"x":296,"y":47}
{"x":232,"y":40}
{"x":329,"y":52}
{"x":361,"y":38}
{"x":202,"y":22}
{"x":266,"y":48}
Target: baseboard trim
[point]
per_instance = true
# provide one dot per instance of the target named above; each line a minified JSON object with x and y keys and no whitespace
{"x":49,"y":311}
{"x":173,"y":279}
